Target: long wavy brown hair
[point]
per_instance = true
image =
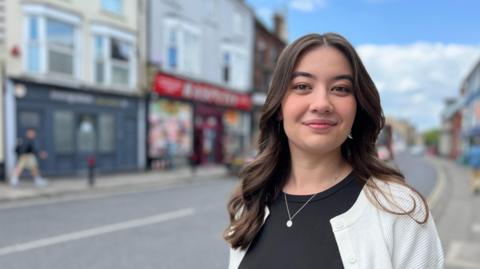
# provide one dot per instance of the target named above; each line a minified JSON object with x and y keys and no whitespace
{"x":263,"y":178}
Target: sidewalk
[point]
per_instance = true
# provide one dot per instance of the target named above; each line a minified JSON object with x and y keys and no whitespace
{"x":63,"y":186}
{"x":457,"y":215}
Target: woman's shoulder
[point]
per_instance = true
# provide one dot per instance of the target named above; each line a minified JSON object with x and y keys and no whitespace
{"x":398,"y":198}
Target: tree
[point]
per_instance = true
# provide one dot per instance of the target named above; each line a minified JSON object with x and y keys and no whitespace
{"x":431,"y":137}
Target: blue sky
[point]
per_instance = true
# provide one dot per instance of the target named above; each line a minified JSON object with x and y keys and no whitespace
{"x":417,"y":52}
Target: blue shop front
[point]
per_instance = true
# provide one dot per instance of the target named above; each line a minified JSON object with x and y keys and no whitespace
{"x":75,"y":125}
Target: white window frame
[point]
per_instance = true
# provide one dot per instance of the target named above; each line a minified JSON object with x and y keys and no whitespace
{"x":44,"y":12}
{"x":107,"y":33}
{"x":238,"y":66}
{"x":185,"y":52}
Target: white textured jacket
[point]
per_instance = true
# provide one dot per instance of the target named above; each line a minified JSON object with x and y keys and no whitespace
{"x":371,"y":238}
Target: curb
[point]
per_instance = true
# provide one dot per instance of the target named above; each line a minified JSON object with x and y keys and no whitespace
{"x":121,"y":187}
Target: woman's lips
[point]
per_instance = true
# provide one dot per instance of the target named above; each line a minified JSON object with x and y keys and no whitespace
{"x":319,"y":126}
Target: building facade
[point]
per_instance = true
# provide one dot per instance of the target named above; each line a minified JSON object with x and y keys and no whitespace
{"x":72,"y":75}
{"x":470,"y":107}
{"x":268,"y":46}
{"x":450,"y":131}
{"x":200,"y":57}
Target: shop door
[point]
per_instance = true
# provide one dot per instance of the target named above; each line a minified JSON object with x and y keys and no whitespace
{"x":86,"y":134}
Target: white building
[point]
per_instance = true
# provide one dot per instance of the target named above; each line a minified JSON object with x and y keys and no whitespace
{"x":72,"y":74}
{"x":202,"y":52}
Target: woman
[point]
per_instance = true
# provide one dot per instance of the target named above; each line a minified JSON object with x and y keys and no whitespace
{"x":316,"y":196}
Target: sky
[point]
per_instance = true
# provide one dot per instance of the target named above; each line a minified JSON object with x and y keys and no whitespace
{"x":418,"y":52}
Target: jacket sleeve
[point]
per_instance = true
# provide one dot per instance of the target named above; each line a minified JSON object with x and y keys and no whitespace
{"x":414,"y":245}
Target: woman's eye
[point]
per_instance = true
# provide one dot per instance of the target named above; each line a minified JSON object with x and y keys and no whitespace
{"x":342,"y":89}
{"x":301,"y":87}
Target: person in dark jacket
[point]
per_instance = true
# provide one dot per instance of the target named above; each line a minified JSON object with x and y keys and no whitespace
{"x":27,"y":159}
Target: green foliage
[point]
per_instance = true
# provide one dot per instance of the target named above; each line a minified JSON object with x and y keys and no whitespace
{"x":431,"y":137}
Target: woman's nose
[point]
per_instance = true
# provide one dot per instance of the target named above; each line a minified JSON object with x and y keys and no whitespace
{"x":320,"y":101}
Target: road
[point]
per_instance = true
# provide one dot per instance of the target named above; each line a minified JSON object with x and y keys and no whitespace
{"x":179,"y":227}
{"x":168,"y":228}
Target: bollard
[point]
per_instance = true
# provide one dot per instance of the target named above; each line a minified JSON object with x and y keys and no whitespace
{"x":91,"y":170}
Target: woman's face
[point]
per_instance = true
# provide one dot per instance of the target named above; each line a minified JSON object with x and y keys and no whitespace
{"x":319,"y":106}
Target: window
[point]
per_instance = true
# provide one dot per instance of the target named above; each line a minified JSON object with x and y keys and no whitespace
{"x":120,"y":58}
{"x":237,"y":23}
{"x":226,"y":67}
{"x":99,"y":60}
{"x":113,"y":6}
{"x":106,"y":133}
{"x":63,"y":131}
{"x":60,"y":47}
{"x":113,"y":57}
{"x":33,"y":45}
{"x":235,"y":67}
{"x":172,"y":49}
{"x":182,"y":48}
{"x":86,"y":134}
{"x":50,"y":41}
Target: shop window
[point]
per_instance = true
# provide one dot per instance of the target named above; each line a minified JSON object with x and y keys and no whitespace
{"x":86,"y":134}
{"x":60,"y":47}
{"x":63,"y":131}
{"x":113,"y":6}
{"x":106,"y":133}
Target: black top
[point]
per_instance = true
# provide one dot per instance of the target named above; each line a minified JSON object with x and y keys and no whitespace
{"x":310,"y":242}
{"x":26,"y":146}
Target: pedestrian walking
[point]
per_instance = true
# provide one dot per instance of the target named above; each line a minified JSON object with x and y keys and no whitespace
{"x":27,"y":159}
{"x":474,"y":163}
{"x":316,"y":195}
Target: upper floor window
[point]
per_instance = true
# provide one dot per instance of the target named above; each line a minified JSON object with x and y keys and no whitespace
{"x":182,"y":48}
{"x":238,"y":23}
{"x":172,"y":49}
{"x":114,"y":57}
{"x":60,"y":47}
{"x":235,"y":67}
{"x":51,"y":41}
{"x":113,"y":6}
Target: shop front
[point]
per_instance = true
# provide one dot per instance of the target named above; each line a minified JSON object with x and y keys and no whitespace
{"x":74,"y":126}
{"x":189,"y":120}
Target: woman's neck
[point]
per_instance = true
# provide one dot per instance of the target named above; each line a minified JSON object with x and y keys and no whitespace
{"x":313,"y":174}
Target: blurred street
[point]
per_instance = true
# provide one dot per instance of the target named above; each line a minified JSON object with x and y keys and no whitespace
{"x":165,"y":225}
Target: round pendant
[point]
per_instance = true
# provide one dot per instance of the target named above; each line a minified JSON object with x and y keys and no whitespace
{"x":289,"y":223}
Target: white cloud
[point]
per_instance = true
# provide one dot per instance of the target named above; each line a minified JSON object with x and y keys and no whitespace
{"x":307,"y":5}
{"x":414,"y":79}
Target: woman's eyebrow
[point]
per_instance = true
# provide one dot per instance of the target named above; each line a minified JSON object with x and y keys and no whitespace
{"x":344,"y":76}
{"x":303,"y":74}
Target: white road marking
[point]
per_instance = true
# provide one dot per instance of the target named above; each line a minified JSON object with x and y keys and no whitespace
{"x":96,"y":231}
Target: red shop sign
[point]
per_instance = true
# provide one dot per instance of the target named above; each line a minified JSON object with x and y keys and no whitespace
{"x":168,"y":85}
